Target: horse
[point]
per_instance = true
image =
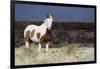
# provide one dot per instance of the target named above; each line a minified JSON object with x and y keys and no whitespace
{"x":40,"y":34}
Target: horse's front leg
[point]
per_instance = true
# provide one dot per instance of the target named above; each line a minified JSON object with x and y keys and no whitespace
{"x":47,"y":46}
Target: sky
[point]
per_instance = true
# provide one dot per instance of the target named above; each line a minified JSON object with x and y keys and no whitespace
{"x":27,"y":12}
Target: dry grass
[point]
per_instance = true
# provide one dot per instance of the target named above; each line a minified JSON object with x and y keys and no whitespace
{"x":66,"y":53}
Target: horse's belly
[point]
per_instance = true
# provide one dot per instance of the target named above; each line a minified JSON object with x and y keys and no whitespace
{"x":34,"y":39}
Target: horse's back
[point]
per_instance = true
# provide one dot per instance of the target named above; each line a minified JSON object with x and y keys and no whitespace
{"x":30,"y":27}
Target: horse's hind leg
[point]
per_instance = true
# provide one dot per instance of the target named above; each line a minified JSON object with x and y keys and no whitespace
{"x":26,"y":38}
{"x":27,"y":44}
{"x":39,"y":48}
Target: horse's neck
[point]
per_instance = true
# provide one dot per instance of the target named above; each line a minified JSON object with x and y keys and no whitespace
{"x":43,"y":25}
{"x":47,"y":23}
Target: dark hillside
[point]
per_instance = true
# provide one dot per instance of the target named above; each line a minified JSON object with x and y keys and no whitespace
{"x":70,"y":32}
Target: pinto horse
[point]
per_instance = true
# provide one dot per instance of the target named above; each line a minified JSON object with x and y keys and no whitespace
{"x":39,"y":34}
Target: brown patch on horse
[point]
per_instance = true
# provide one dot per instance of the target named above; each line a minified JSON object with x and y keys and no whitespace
{"x":27,"y":37}
{"x":38,"y":35}
{"x":32,"y":33}
{"x":46,"y":37}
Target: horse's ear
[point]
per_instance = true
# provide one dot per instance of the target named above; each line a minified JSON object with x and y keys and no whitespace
{"x":49,"y":15}
{"x":52,"y":15}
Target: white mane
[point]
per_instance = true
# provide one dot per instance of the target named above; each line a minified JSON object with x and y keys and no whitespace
{"x":48,"y":22}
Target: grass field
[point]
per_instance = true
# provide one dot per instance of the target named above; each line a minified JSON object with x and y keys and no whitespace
{"x":74,"y":42}
{"x":67,"y":53}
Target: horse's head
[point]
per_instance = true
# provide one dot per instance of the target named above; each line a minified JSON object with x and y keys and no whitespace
{"x":50,"y":16}
{"x":49,"y":21}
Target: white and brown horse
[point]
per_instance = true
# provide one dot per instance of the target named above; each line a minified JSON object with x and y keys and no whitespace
{"x":39,"y":34}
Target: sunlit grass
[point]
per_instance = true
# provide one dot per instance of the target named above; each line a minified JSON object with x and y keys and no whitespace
{"x":66,"y":53}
